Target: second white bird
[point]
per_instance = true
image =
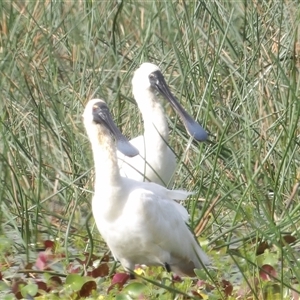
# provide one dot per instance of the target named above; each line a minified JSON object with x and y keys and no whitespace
{"x":156,"y":162}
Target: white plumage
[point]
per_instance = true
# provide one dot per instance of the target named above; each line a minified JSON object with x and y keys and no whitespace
{"x":156,"y":162}
{"x":140,"y":221}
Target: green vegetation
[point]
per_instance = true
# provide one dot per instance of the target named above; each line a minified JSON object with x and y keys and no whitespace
{"x":233,"y":64}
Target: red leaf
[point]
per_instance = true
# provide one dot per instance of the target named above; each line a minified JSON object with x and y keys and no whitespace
{"x":43,"y":260}
{"x":74,"y":269}
{"x":53,"y":283}
{"x":87,"y":288}
{"x":227,"y":287}
{"x":119,"y":279}
{"x":101,"y":271}
{"x":176,"y":278}
{"x":262,"y":246}
{"x":15,"y":288}
{"x":49,"y":245}
{"x":201,"y":283}
{"x":42,"y":285}
{"x":91,"y":260}
{"x":289,"y":239}
{"x":29,"y":266}
{"x":204,"y":285}
{"x":266,"y":271}
{"x":243,"y":292}
{"x":295,"y":295}
{"x":105,"y":258}
{"x":18,"y":295}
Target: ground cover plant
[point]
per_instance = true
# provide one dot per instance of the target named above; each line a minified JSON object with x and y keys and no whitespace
{"x":234,"y":65}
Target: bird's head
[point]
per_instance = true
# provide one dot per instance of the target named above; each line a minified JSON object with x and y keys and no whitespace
{"x":98,"y":122}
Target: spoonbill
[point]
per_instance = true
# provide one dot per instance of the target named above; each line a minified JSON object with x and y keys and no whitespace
{"x":156,"y":162}
{"x":140,"y":221}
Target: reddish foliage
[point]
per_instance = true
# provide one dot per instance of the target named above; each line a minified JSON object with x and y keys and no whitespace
{"x":87,"y":288}
{"x":224,"y":284}
{"x":289,"y":239}
{"x":119,"y":279}
{"x":266,"y":271}
{"x":295,"y":295}
{"x":176,"y":278}
{"x":105,"y":258}
{"x":203,"y":284}
{"x":18,"y":295}
{"x":42,"y":285}
{"x":54,"y":282}
{"x":227,"y":287}
{"x":16,"y":286}
{"x":261,"y":247}
{"x":87,"y":260}
{"x":43,"y":260}
{"x":29,"y":266}
{"x":74,"y":269}
{"x":242,"y":292}
{"x":101,"y":271}
{"x":49,"y":245}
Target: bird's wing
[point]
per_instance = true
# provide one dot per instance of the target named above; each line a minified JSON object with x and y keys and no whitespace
{"x":170,"y":195}
{"x":162,"y":225}
{"x":167,"y":193}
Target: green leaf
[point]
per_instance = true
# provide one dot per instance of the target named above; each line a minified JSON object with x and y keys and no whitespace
{"x":30,"y":289}
{"x":135,"y":289}
{"x":4,"y":287}
{"x":9,"y":297}
{"x":75,"y":281}
{"x":123,"y":297}
{"x":201,"y":274}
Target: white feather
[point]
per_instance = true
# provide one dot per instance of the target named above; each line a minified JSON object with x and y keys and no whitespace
{"x":140,"y":221}
{"x":156,"y":162}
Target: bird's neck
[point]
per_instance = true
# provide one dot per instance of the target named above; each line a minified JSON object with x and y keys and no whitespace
{"x":106,"y":166}
{"x":156,"y":129}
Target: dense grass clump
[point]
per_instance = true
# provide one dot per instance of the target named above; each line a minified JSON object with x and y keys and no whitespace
{"x":234,"y":65}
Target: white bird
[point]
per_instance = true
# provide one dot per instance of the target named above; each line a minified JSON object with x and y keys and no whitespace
{"x":140,"y":221}
{"x":156,"y":162}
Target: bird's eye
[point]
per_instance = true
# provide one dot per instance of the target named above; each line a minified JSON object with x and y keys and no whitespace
{"x":151,"y":76}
